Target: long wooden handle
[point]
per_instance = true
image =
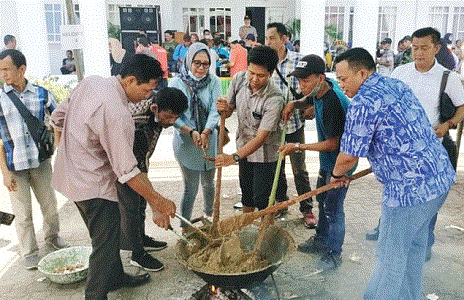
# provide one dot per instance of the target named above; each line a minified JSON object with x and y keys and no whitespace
{"x":272,"y":196}
{"x":305,"y":196}
{"x":217,"y":195}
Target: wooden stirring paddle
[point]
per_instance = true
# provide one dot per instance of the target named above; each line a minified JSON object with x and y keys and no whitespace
{"x":236,"y":223}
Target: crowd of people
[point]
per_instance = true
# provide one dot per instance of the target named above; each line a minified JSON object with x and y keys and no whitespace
{"x":450,"y":54}
{"x":396,"y":118}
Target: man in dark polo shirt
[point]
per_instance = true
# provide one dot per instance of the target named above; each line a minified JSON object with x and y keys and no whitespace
{"x":329,"y":107}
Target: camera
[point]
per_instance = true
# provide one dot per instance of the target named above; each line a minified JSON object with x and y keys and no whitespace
{"x":6,"y":218}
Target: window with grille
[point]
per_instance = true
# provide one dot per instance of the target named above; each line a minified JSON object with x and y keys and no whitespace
{"x":194,"y":20}
{"x":438,"y":18}
{"x":218,"y":18}
{"x":338,"y":24}
{"x":387,"y":23}
{"x":220,"y":21}
{"x":458,"y":24}
{"x":53,"y":21}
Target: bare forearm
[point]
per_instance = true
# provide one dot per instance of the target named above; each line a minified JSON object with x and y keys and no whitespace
{"x":458,"y":116}
{"x":325,"y":146}
{"x":253,"y":144}
{"x":3,"y":166}
{"x":57,"y":137}
{"x":344,"y":163}
{"x":143,"y":187}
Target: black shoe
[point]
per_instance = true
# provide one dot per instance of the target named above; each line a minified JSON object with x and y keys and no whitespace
{"x":313,"y":245}
{"x":281,"y":213}
{"x":150,"y":244}
{"x":131,"y":281}
{"x":147,"y":262}
{"x":329,"y":261}
{"x":428,"y":254}
{"x":373,"y":235}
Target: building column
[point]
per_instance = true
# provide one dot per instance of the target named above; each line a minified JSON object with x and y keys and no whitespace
{"x":96,"y":52}
{"x":9,"y":21}
{"x":312,"y":16}
{"x":365,"y":25}
{"x":237,"y":14}
{"x":166,"y":16}
{"x":33,"y":37}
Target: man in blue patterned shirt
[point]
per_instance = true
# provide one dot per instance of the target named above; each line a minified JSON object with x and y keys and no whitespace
{"x":19,"y":157}
{"x":386,"y":123}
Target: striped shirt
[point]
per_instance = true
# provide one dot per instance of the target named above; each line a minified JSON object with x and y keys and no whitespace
{"x":21,"y":150}
{"x":285,"y":67}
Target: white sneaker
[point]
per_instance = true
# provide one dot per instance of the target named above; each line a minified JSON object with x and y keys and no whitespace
{"x":31,"y":261}
{"x":238,"y":205}
{"x":56,"y":243}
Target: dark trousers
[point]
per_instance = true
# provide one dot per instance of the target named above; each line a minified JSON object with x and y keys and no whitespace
{"x":300,"y":175}
{"x":132,"y":208}
{"x":256,"y":182}
{"x":450,"y":147}
{"x":331,"y":225}
{"x":105,"y":267}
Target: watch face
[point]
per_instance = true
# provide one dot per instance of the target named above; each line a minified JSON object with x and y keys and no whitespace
{"x":236,"y":157}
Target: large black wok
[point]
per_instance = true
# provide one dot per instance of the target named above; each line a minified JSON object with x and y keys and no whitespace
{"x":277,"y":248}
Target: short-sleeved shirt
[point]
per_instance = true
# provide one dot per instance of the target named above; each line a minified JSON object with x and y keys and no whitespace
{"x":386,"y":123}
{"x":97,"y":140}
{"x":238,"y":56}
{"x":285,"y":67}
{"x":259,"y":110}
{"x":387,"y":56}
{"x":21,"y":150}
{"x":244,"y":31}
{"x":330,"y":120}
{"x":426,"y":87}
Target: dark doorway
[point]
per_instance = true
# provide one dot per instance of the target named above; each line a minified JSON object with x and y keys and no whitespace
{"x":258,"y":20}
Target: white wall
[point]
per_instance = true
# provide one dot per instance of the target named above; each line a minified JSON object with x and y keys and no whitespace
{"x":9,"y":21}
{"x":33,"y":37}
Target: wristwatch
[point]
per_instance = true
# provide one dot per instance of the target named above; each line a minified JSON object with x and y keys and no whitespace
{"x":236,"y":157}
{"x":298,"y":148}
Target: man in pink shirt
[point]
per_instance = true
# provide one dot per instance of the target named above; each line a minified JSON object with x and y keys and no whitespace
{"x":96,"y":150}
{"x":238,"y":59}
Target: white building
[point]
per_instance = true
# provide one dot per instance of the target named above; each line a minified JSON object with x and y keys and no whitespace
{"x":36,"y":23}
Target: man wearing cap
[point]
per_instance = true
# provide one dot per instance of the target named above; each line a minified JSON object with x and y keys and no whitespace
{"x":246,"y":29}
{"x":329,"y":106}
{"x":385,"y":58}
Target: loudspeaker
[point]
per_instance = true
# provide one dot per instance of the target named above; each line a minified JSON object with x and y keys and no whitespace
{"x":140,"y":18}
{"x":128,"y":38}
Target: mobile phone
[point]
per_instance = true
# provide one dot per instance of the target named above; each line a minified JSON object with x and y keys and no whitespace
{"x":6,"y":218}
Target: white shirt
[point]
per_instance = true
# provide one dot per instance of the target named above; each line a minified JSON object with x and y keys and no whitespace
{"x":426,"y":87}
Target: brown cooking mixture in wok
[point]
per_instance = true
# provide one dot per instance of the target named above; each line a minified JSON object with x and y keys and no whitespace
{"x":227,"y":256}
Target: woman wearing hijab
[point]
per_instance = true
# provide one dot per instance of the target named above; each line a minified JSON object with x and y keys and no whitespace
{"x":196,"y":134}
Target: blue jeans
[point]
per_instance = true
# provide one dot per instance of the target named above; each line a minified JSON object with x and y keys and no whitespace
{"x":331,"y":224}
{"x":191,"y":181}
{"x":401,"y":251}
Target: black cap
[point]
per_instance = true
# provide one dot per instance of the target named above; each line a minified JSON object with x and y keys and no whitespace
{"x":308,"y":65}
{"x":386,"y":41}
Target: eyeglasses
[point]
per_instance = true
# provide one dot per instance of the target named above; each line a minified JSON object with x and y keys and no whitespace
{"x":198,"y":63}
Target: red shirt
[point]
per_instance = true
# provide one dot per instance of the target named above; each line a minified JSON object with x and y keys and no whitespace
{"x":238,"y":58}
{"x":162,"y":56}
